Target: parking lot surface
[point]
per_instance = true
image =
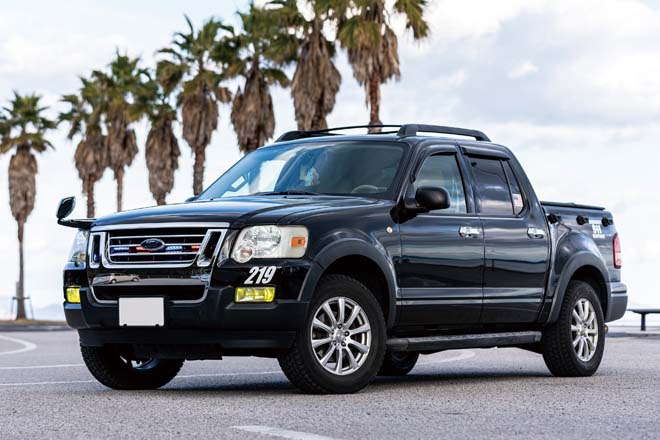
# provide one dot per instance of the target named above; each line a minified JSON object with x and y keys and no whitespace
{"x":46,"y":392}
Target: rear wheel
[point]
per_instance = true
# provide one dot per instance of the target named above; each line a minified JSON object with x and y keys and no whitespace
{"x":342,"y":344}
{"x":398,"y":363}
{"x":574,"y":344}
{"x":116,"y":371}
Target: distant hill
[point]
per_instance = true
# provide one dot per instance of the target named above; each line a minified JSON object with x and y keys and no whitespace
{"x":51,"y":312}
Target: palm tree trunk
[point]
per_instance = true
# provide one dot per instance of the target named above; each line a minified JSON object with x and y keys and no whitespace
{"x":160,"y":199}
{"x":119,"y":177}
{"x":198,"y":171}
{"x":20,"y":296}
{"x":89,"y":190}
{"x":320,"y":122}
{"x":373,"y":92}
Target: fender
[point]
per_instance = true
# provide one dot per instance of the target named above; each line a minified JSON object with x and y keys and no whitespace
{"x":346,"y":247}
{"x":565,"y":273}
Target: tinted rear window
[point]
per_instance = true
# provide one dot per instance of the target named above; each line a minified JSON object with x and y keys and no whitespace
{"x":492,"y":186}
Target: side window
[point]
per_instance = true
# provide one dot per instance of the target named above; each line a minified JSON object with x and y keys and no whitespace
{"x":442,"y":171}
{"x":492,"y":186}
{"x":516,"y":193}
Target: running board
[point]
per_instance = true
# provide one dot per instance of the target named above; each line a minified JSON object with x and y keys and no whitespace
{"x":452,"y":342}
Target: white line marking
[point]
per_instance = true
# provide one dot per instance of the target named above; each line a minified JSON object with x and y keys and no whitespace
{"x":63,"y":382}
{"x":284,"y":433}
{"x":249,"y":373}
{"x":467,"y":354}
{"x":183,"y":376}
{"x":34,"y":367}
{"x":27,"y":346}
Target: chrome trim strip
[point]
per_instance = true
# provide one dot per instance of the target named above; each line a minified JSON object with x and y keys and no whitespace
{"x":90,"y":250}
{"x":109,"y":265}
{"x":130,"y":226}
{"x":128,"y":237}
{"x":202,"y":247}
{"x":441,"y":293}
{"x":127,"y":254}
{"x":166,"y":244}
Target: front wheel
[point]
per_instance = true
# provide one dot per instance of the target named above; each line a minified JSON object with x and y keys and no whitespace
{"x":116,"y":371}
{"x":573,"y":346}
{"x":340,"y":349}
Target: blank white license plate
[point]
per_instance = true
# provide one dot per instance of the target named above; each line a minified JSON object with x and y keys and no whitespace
{"x":142,"y":312}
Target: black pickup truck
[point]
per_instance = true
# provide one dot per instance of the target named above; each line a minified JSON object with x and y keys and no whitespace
{"x":346,"y":257}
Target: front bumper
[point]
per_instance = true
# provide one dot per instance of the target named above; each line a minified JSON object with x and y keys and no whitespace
{"x":215,"y":320}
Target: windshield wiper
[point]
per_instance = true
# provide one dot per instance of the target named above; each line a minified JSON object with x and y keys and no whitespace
{"x":291,"y":192}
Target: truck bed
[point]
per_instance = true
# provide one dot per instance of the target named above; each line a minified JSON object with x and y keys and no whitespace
{"x":593,"y":221}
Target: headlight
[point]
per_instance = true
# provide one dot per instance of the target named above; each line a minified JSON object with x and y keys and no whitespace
{"x":270,"y":242}
{"x":78,"y":254}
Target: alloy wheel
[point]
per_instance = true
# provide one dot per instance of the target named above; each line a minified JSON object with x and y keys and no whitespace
{"x":584,"y":330}
{"x":340,"y":336}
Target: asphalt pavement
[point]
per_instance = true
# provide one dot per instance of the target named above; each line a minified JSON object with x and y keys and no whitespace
{"x":46,"y":392}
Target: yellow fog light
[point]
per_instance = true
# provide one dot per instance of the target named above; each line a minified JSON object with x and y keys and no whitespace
{"x":73,"y":294}
{"x":254,"y":294}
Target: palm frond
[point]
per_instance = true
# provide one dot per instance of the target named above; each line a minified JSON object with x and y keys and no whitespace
{"x":413,"y":11}
{"x":24,"y":126}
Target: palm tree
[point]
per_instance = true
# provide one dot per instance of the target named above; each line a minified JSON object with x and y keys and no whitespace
{"x":162,"y":149}
{"x":23,"y":130}
{"x":119,"y":86}
{"x":84,"y":118}
{"x":316,"y":80}
{"x":190,"y":66}
{"x":265,"y":48}
{"x":372,"y":44}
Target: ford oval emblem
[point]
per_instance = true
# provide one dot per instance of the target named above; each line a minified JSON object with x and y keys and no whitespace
{"x":153,"y":244}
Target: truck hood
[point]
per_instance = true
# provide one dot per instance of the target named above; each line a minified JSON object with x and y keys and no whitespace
{"x":239,"y":211}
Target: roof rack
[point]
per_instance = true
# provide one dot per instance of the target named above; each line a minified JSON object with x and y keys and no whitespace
{"x":413,"y":129}
{"x":301,"y":134}
{"x":403,"y":130}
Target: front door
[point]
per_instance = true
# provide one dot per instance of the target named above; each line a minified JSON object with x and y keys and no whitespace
{"x":515,"y":238}
{"x":441,"y":267}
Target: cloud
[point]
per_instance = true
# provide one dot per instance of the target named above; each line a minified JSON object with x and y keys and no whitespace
{"x":524,"y":69}
{"x":453,"y":20}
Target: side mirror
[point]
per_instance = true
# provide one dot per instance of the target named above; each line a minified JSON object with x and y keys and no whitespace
{"x":432,"y":198}
{"x":66,"y":207}
{"x":191,"y":199}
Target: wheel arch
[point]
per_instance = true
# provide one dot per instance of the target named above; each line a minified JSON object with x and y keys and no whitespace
{"x":362,"y":261}
{"x":583,"y":266}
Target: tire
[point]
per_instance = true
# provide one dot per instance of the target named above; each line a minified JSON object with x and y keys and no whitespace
{"x":398,"y":363}
{"x":113,"y":371}
{"x":557,"y":344}
{"x":303,"y":365}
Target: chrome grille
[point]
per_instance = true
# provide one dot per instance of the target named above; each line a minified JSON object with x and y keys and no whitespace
{"x":159,"y":247}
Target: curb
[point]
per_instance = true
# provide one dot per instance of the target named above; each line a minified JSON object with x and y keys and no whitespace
{"x":10,"y":328}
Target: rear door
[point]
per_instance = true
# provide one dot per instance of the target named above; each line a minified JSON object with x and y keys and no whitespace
{"x":515,"y":239}
{"x":441,"y":267}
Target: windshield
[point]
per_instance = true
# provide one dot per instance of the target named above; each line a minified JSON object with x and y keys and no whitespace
{"x":340,"y":168}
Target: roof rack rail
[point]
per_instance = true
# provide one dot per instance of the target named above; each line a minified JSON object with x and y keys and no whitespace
{"x":301,"y":134}
{"x":413,"y":129}
{"x":403,"y":130}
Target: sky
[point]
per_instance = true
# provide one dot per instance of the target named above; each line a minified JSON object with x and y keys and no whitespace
{"x":571,"y":86}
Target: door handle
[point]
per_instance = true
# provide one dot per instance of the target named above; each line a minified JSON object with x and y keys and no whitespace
{"x":536,"y":233}
{"x":469,"y":232}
